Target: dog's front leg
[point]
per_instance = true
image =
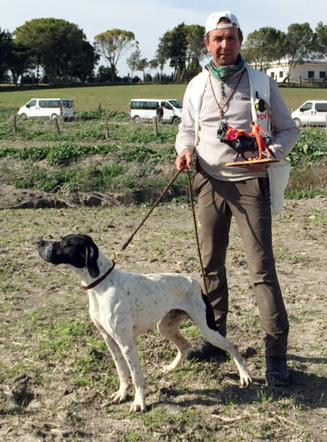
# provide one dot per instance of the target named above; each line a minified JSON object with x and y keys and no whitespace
{"x":120,"y":363}
{"x":122,"y":369}
{"x":129,"y":351}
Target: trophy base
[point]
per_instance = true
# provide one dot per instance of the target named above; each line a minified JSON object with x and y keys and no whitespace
{"x":247,"y":163}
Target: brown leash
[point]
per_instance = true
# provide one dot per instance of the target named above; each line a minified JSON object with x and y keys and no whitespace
{"x":196,"y":231}
{"x":151,"y":210}
{"x":194,"y":221}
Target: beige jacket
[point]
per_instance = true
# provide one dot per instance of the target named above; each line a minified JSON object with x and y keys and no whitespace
{"x":200,"y":119}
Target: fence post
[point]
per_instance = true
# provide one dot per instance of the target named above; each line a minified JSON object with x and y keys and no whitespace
{"x":15,"y":124}
{"x":57,"y":126}
{"x":156,"y":126}
{"x":106,"y":128}
{"x":326,"y":124}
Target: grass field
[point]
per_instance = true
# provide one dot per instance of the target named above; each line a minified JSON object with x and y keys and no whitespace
{"x":88,"y":98}
{"x":117,"y":97}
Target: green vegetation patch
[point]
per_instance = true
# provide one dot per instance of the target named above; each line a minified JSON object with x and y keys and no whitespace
{"x":73,"y":345}
{"x":104,"y":152}
{"x":311,"y":147}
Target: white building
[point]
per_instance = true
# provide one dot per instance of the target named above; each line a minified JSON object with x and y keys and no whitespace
{"x":307,"y":71}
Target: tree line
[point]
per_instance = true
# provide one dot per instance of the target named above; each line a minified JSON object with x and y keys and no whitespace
{"x":299,"y":43}
{"x":53,"y":51}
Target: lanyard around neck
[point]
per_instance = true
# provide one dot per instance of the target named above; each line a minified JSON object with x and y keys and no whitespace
{"x":223,"y":107}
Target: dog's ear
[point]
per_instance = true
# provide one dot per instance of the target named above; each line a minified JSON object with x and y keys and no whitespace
{"x":92,"y":255}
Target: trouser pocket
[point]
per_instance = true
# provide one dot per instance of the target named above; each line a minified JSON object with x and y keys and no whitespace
{"x":200,"y":179}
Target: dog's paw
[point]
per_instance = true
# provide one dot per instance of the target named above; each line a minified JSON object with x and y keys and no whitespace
{"x":245,"y":380}
{"x":137,"y":406}
{"x":119,"y":396}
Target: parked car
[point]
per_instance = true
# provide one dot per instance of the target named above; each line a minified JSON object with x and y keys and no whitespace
{"x":146,"y":109}
{"x":48,"y":108}
{"x":311,"y":113}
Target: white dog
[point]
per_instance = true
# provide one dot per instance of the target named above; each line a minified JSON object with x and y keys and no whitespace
{"x":124,"y":305}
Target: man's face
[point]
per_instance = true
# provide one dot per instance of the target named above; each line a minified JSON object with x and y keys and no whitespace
{"x":224,"y":46}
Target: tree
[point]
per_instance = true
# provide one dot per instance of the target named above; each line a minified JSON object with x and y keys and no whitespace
{"x":134,"y":59}
{"x":161,"y":57}
{"x":55,"y":45}
{"x":193,"y":68}
{"x":173,"y":47}
{"x":321,"y":39}
{"x":196,"y":49}
{"x":104,"y":74}
{"x":263,"y":46}
{"x":184,"y":48}
{"x":142,"y":65}
{"x":112,"y":44}
{"x":83,"y":63}
{"x":13,"y":57}
{"x":18,"y":61}
{"x":154,"y":65}
{"x":299,"y":43}
{"x":5,"y":51}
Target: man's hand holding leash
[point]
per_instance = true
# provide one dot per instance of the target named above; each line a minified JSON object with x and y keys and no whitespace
{"x":184,"y":160}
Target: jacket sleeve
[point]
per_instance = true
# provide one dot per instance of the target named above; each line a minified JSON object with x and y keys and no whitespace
{"x":284,"y":131}
{"x":185,"y":138}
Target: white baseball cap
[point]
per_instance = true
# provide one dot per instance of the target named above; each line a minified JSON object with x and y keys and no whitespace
{"x":213,"y":20}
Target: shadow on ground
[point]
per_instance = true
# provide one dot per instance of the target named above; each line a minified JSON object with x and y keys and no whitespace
{"x":306,"y":390}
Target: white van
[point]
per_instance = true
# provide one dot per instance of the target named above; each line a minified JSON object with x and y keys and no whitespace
{"x":48,"y":108}
{"x":311,"y":113}
{"x":146,"y":109}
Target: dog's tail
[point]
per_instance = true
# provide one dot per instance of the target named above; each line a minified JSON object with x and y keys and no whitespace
{"x":210,"y":316}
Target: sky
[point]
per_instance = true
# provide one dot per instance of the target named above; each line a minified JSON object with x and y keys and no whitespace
{"x":150,"y":19}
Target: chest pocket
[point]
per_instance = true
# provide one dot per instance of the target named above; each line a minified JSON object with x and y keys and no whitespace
{"x":242,"y":98}
{"x":242,"y":110}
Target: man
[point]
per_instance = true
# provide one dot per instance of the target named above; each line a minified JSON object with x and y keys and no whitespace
{"x":160,"y":112}
{"x":224,"y":93}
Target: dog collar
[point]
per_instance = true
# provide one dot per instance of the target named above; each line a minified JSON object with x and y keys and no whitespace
{"x":97,"y":281}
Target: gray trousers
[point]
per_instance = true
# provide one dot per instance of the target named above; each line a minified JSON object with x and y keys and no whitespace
{"x":248,"y":201}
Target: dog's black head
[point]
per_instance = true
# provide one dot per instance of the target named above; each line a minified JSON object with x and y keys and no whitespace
{"x":77,"y":250}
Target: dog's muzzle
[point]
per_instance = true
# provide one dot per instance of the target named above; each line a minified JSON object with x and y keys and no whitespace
{"x":45,"y":249}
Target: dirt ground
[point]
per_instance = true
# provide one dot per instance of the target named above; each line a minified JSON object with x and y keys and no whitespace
{"x":56,"y":377}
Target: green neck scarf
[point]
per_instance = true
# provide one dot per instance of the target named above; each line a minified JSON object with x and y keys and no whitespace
{"x":224,"y":73}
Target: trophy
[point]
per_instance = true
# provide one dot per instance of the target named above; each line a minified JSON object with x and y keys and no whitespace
{"x":255,"y":142}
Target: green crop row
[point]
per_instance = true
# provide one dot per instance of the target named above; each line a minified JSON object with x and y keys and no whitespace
{"x":66,"y":153}
{"x":311,"y":147}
